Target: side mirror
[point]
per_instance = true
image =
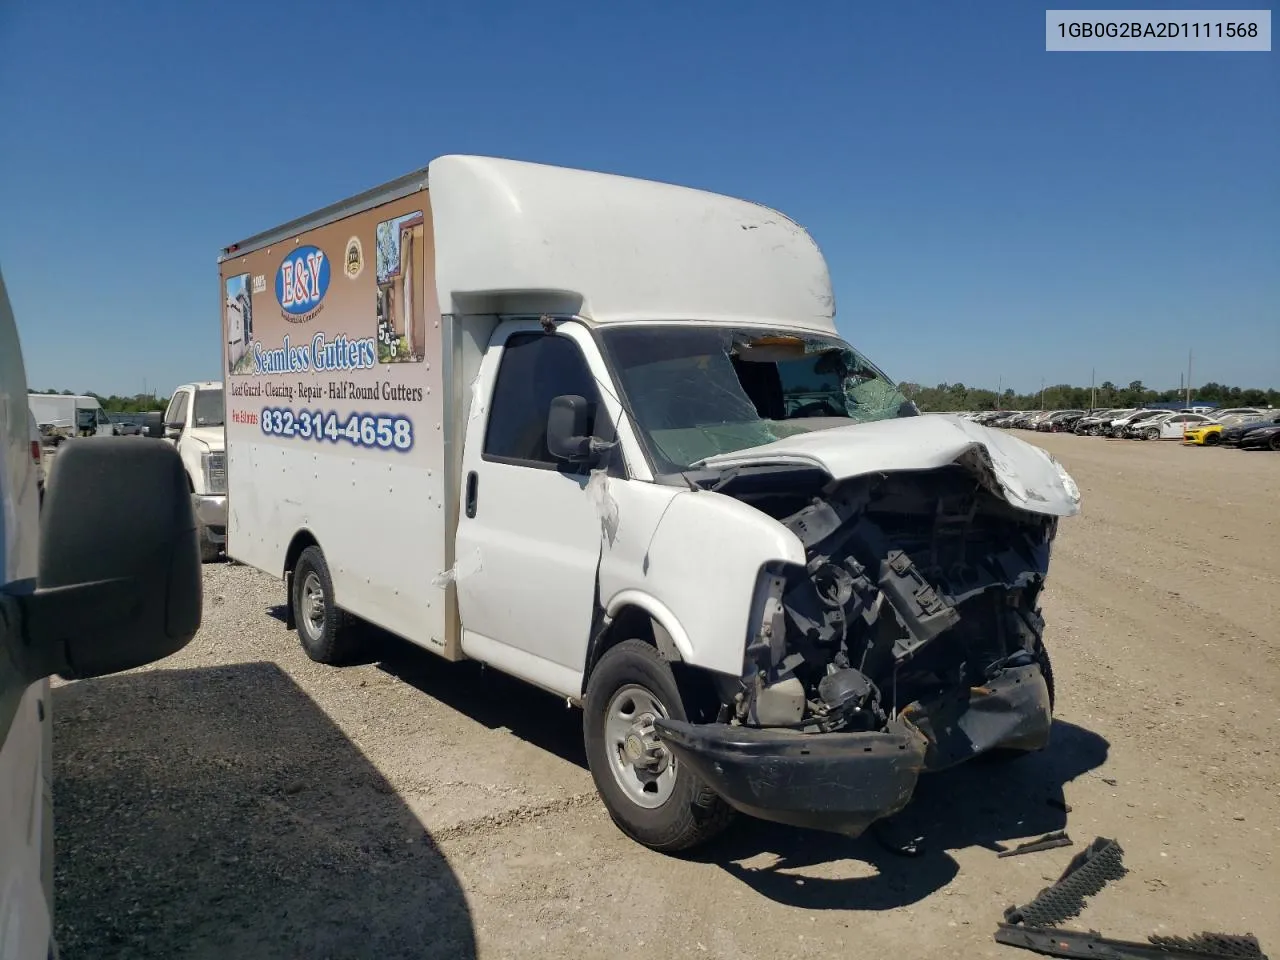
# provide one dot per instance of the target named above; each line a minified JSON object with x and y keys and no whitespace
{"x":172,"y":431}
{"x":569,"y":432}
{"x":119,"y":578}
{"x":153,"y":425}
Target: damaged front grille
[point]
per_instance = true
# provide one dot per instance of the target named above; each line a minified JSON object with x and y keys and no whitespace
{"x":915,"y":586}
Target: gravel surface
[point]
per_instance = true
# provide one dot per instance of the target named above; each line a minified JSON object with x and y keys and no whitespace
{"x":237,"y":800}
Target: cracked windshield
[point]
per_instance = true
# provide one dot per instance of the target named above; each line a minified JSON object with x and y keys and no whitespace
{"x":697,"y":391}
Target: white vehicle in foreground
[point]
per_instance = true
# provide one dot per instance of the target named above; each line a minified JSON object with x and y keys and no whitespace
{"x":106,"y":580}
{"x":601,"y":434}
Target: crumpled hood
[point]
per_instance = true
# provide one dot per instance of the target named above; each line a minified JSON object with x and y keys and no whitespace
{"x":215,"y":438}
{"x":1024,"y":474}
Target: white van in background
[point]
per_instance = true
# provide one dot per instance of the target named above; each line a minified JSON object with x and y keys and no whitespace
{"x":70,"y":416}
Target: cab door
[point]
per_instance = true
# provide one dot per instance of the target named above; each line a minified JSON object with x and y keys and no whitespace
{"x":175,"y":417}
{"x":529,"y":534}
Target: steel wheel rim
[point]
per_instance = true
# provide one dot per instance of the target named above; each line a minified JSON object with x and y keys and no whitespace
{"x":641,"y":764}
{"x":313,"y":605}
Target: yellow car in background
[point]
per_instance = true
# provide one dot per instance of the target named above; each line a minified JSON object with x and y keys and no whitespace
{"x":1203,"y":435}
{"x":1210,"y":434}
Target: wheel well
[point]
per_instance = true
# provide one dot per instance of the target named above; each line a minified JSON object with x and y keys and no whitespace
{"x":701,"y":698}
{"x":301,"y":540}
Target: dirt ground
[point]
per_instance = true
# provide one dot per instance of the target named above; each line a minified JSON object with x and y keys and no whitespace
{"x":238,"y":800}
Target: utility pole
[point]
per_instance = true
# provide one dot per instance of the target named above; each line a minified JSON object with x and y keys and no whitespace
{"x":1000,"y":392}
{"x":1188,"y":378}
{"x":1042,"y":393}
{"x":1093,"y":390}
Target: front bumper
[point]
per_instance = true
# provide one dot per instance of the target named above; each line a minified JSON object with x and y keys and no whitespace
{"x":211,"y":512}
{"x":844,"y":782}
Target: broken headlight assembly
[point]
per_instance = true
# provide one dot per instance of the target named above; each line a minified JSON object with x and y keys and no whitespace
{"x":916,"y":589}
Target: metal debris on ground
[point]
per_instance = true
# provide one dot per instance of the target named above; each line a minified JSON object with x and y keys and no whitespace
{"x":1087,"y":873}
{"x":1050,"y":841}
{"x":1078,"y":944}
{"x":1032,"y":927}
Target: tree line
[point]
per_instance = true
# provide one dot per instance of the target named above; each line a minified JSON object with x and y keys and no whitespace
{"x":138,"y":403}
{"x":946,"y":397}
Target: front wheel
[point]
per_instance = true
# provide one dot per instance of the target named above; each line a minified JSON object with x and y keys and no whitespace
{"x":653,"y":798}
{"x":323,"y":628}
{"x":1152,"y":435}
{"x":1212,"y":439}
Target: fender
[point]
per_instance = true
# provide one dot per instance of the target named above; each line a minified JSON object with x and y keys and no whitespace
{"x":659,"y":613}
{"x":691,"y":560}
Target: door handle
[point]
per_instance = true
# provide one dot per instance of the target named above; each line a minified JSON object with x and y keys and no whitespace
{"x":473,"y":482}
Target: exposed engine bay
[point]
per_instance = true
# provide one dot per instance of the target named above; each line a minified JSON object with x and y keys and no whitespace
{"x":920,"y":588}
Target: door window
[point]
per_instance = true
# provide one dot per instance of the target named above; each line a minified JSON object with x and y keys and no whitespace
{"x":535,"y":369}
{"x":177,"y":409}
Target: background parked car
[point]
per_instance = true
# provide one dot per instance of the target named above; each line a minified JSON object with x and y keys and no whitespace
{"x":1168,"y":427}
{"x":1234,"y":435}
{"x":1099,"y":423}
{"x":1059,"y":420}
{"x":1120,"y":425}
{"x":1265,"y":437}
{"x":127,"y":424}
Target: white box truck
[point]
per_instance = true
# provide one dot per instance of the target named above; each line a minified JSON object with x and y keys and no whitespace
{"x":61,"y":416}
{"x":602,"y":434}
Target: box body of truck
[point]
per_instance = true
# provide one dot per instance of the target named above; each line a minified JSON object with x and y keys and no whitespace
{"x":335,"y":374}
{"x":602,"y":434}
{"x":62,"y":416}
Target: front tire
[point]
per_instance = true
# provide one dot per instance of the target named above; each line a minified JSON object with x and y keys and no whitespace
{"x":324,"y":629}
{"x":1212,"y":439}
{"x":653,"y":798}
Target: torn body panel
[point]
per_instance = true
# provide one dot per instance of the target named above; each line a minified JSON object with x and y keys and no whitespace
{"x":913,"y":622}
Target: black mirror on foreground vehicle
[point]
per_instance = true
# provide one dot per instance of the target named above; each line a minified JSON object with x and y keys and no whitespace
{"x":569,"y":432}
{"x":153,"y":425}
{"x":119,"y":577}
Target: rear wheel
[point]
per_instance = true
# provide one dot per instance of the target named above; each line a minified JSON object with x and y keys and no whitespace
{"x":651,"y":796}
{"x":1274,"y":442}
{"x":324,"y":629}
{"x":1151,"y":434}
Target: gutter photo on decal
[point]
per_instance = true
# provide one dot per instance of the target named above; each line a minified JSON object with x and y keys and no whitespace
{"x":401,"y":317}
{"x":239,"y":318}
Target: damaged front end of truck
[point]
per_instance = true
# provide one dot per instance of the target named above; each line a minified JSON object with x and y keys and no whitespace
{"x":910,"y":641}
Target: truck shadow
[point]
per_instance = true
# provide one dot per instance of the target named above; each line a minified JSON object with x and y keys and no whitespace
{"x":981,"y":803}
{"x":488,"y":697}
{"x":219,"y":813}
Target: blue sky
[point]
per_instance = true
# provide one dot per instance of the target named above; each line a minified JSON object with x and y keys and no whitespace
{"x":988,"y":210}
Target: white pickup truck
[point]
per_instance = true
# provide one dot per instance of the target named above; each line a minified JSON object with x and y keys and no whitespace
{"x":193,"y":422}
{"x":603,"y":434}
{"x":104,"y":579}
